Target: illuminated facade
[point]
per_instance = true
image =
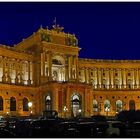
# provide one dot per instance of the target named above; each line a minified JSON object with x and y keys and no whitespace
{"x":44,"y":72}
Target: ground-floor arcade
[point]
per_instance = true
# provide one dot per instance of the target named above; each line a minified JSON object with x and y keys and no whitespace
{"x":68,"y":99}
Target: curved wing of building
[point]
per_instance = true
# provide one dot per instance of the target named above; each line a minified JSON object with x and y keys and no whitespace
{"x":43,"y":72}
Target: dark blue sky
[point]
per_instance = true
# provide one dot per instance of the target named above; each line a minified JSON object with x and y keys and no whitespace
{"x":105,"y":30}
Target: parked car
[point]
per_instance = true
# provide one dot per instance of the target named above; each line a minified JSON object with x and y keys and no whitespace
{"x":86,"y":129}
{"x":43,"y":128}
{"x":133,"y":130}
{"x":101,"y":126}
{"x":66,"y":129}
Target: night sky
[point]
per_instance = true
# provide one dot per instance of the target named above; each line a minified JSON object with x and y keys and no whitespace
{"x":104,"y":30}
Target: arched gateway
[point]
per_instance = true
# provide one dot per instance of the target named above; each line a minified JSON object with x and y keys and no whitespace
{"x":76,"y":105}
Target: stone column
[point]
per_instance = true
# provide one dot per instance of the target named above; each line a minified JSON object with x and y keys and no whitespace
{"x":66,"y":73}
{"x":16,"y":66}
{"x":99,"y":77}
{"x":85,"y":74}
{"x":29,"y":80}
{"x":3,"y":63}
{"x":109,"y":76}
{"x":33,"y":75}
{"x":70,"y":67}
{"x":21,"y":65}
{"x":89,"y":75}
{"x":43,"y":64}
{"x":139,"y":77}
{"x":76,"y":67}
{"x":126,"y":77}
{"x":135,"y":78}
{"x":112,"y":77}
{"x":122,"y":78}
{"x":49,"y":61}
{"x":8,"y":72}
{"x":97,"y":80}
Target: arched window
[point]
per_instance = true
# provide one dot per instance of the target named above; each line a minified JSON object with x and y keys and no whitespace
{"x":25,"y":104}
{"x":95,"y":105}
{"x":1,"y":103}
{"x":12,"y":104}
{"x":106,"y":105}
{"x":48,"y":102}
{"x":119,"y":105}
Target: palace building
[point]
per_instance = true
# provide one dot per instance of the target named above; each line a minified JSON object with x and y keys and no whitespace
{"x":45,"y":71}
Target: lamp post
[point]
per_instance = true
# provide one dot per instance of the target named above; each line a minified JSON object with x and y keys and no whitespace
{"x":65,"y":110}
{"x":30,"y":107}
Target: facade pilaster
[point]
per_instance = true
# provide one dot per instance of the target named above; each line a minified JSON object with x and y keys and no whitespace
{"x":139,"y":77}
{"x":50,"y":65}
{"x":21,"y":74}
{"x":16,"y":66}
{"x":29,"y":80}
{"x":85,"y":74}
{"x":99,"y":77}
{"x":3,"y":63}
{"x":89,"y":75}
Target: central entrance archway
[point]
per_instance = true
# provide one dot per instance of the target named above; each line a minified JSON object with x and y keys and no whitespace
{"x":76,"y":105}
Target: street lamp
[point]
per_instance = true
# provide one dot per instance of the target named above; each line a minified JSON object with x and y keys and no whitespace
{"x":30,"y":106}
{"x":79,"y":112}
{"x":65,"y":110}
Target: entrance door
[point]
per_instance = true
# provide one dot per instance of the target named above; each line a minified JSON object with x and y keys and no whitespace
{"x":76,"y":105}
{"x":131,"y":105}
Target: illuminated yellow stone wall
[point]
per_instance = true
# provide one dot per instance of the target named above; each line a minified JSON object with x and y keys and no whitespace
{"x":46,"y":70}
